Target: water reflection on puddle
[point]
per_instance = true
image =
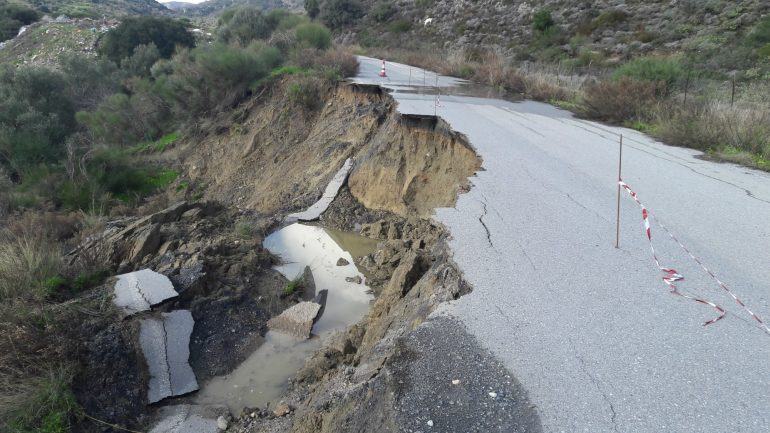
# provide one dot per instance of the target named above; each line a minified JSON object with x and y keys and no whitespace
{"x":262,"y":377}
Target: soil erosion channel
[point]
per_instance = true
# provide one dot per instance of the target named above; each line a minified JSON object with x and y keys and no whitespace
{"x":263,"y":377}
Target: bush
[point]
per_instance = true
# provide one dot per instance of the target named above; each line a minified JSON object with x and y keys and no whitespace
{"x":207,"y":79}
{"x":313,"y":35}
{"x":332,"y":62}
{"x":665,"y":70}
{"x":760,"y":34}
{"x":339,"y":13}
{"x":542,"y":20}
{"x":141,"y":61}
{"x":89,"y":80}
{"x":166,"y":33}
{"x":619,"y":100}
{"x":244,"y":25}
{"x":383,"y":11}
{"x":125,"y":119}
{"x":400,"y":26}
{"x":305,"y":92}
{"x":13,"y":17}
{"x":35,"y":117}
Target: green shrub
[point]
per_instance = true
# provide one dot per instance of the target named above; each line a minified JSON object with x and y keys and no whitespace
{"x":609,"y":19}
{"x":542,"y":20}
{"x":166,"y":33}
{"x":339,"y":13}
{"x":244,"y":25}
{"x":400,"y":26}
{"x":760,"y":34}
{"x":141,"y":61}
{"x":666,"y":70}
{"x":313,"y":35}
{"x":209,"y":78}
{"x":35,"y":117}
{"x":13,"y":17}
{"x":89,"y":80}
{"x":383,"y":11}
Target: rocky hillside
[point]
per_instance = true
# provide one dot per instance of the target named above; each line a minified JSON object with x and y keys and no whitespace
{"x":97,"y":8}
{"x":552,"y":30}
{"x":44,"y":42}
{"x":214,"y":7}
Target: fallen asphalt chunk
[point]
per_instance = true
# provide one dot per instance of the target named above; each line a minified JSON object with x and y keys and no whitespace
{"x":296,"y":320}
{"x":319,"y":207}
{"x":139,"y":291}
{"x":165,"y":343}
{"x":187,"y":418}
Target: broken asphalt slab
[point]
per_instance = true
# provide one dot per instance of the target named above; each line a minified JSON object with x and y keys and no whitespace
{"x":165,"y":343}
{"x":190,"y":419}
{"x":296,"y":320}
{"x":139,"y":291}
{"x":315,"y":211}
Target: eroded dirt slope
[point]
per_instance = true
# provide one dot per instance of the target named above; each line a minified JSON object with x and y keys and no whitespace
{"x":282,"y":155}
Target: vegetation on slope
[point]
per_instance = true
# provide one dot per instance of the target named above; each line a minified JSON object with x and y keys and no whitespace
{"x":88,"y":140}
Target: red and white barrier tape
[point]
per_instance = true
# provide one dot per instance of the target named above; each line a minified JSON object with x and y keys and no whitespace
{"x":671,"y":276}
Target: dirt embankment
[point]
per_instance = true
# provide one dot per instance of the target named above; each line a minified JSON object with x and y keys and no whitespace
{"x":281,"y":156}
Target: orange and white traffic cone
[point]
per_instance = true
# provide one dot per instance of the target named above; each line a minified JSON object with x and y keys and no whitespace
{"x":382,"y":71}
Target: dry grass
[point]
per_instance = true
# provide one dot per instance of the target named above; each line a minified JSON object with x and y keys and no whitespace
{"x":619,"y":100}
{"x":716,"y":126}
{"x":27,"y":260}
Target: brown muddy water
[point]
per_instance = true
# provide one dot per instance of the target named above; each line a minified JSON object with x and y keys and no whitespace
{"x":263,"y":377}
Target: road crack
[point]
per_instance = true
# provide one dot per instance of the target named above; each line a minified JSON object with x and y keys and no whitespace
{"x":486,"y":229}
{"x":605,"y":397}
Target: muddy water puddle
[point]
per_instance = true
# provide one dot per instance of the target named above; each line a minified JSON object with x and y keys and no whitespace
{"x":261,"y":379}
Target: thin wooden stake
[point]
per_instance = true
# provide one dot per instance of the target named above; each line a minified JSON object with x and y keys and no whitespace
{"x":617,"y":220}
{"x":732,"y":93}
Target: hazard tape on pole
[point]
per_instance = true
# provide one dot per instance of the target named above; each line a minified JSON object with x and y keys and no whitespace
{"x":671,"y":276}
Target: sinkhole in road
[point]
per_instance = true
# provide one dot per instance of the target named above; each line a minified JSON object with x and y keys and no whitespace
{"x":263,"y":377}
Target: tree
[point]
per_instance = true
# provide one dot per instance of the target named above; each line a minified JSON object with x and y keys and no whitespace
{"x":312,"y":8}
{"x":166,"y":33}
{"x":339,"y":13}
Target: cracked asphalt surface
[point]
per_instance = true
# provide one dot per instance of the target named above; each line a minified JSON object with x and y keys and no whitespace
{"x":590,"y":331}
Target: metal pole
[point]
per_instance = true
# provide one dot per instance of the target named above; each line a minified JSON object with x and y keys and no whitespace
{"x":423,"y":77}
{"x":410,"y":75}
{"x":617,"y":220}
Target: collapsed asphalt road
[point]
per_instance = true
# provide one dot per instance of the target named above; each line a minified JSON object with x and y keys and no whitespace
{"x":589,"y":331}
